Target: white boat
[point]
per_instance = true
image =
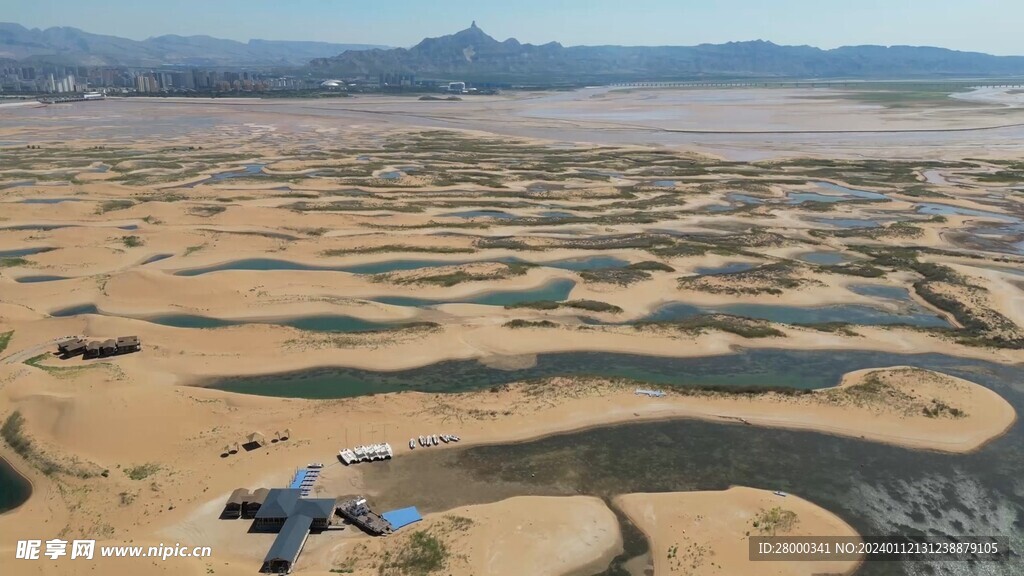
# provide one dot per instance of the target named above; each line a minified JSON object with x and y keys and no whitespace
{"x":423,"y":441}
{"x":435,"y":440}
{"x":444,"y":438}
{"x":412,"y":443}
{"x":455,"y":438}
{"x":315,"y":465}
{"x":780,"y":493}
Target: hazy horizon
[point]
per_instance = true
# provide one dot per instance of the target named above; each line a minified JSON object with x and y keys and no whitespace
{"x":982,"y":26}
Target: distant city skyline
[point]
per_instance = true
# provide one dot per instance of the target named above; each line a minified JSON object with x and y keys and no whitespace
{"x":979,"y":25}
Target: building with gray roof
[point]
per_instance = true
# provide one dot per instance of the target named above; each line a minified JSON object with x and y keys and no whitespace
{"x":293,"y":517}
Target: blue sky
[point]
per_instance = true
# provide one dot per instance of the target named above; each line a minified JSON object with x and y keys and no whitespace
{"x":981,"y":25}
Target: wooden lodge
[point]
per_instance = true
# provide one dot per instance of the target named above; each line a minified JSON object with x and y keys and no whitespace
{"x":92,"y":349}
{"x":71,"y":347}
{"x":128,"y":344}
{"x":108,"y":347}
{"x":99,"y":349}
{"x":245,"y":504}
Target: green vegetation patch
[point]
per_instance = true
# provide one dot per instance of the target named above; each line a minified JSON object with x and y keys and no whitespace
{"x":390,"y":248}
{"x":619,"y":276}
{"x":588,"y":305}
{"x":772,"y":279}
{"x":773,"y":521}
{"x":520,"y":323}
{"x":142,"y":471}
{"x":651,"y":265}
{"x":13,"y":433}
{"x":937,"y":409}
{"x":206,"y":211}
{"x":745,"y":327}
{"x":453,"y":278}
{"x":861,"y":270}
{"x":59,"y":371}
{"x":132,"y":241}
{"x":423,"y":554}
{"x":12,"y":262}
{"x":114,"y":205}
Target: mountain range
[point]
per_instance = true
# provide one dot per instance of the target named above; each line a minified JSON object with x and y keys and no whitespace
{"x":71,"y":46}
{"x":472,"y":55}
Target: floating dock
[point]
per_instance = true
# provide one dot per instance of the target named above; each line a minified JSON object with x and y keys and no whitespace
{"x":358,"y":512}
{"x":305,"y":478}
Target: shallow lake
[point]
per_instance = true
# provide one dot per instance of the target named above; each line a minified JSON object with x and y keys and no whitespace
{"x":19,"y":252}
{"x":40,"y":227}
{"x":315,"y":323}
{"x":730,"y":268}
{"x":849,"y":313}
{"x":482,"y":213}
{"x":744,"y":198}
{"x":947,"y":210}
{"x":864,"y":194}
{"x":39,"y":278}
{"x":156,"y":258}
{"x":262,"y":264}
{"x":824,"y":257}
{"x":847,"y":222}
{"x":247,"y":171}
{"x":555,"y":290}
{"x":755,"y":367}
{"x":48,"y":200}
{"x":14,"y":488}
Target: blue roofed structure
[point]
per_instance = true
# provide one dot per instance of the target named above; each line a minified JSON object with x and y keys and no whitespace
{"x":289,"y":542}
{"x":402,"y":517}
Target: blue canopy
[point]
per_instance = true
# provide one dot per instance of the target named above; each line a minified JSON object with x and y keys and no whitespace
{"x":402,"y":517}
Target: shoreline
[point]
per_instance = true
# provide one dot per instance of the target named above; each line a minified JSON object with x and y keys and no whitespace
{"x":736,"y":348}
{"x":620,"y":406}
{"x":687,"y":413}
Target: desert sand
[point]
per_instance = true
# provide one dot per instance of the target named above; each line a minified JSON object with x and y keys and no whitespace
{"x":524,"y":535}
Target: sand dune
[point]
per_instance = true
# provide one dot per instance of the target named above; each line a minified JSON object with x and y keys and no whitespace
{"x":704,"y":533}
